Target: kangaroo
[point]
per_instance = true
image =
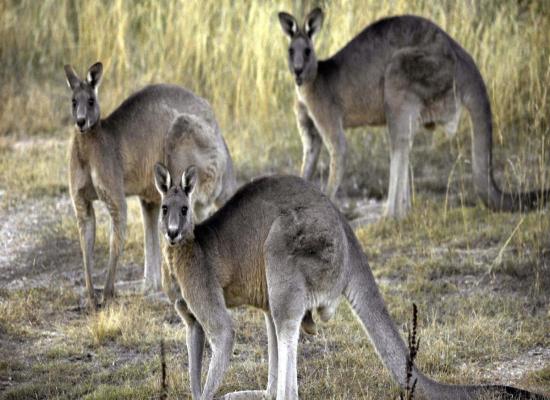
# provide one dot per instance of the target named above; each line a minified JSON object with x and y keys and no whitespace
{"x":404,"y":72}
{"x":112,"y":158}
{"x":279,"y":245}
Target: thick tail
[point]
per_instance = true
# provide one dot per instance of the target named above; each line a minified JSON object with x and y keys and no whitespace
{"x":365,"y":299}
{"x":476,"y":101}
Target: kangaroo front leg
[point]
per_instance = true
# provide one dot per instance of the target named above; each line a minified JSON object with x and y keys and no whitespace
{"x":335,"y":141}
{"x":195,"y":347}
{"x":116,"y":205}
{"x":151,"y":271}
{"x":221,"y":342}
{"x":85,"y":217}
{"x":311,"y":141}
{"x":212,"y":314}
{"x":195,"y":351}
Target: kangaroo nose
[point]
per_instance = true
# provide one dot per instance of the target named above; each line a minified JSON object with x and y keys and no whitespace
{"x":80,"y":122}
{"x":298,"y":71}
{"x":172,"y":233}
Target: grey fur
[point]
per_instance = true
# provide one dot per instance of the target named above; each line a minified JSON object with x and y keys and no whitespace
{"x":113,"y":158}
{"x":279,"y":245}
{"x":404,"y":72}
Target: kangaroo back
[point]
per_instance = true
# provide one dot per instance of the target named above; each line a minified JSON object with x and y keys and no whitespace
{"x":193,"y":141}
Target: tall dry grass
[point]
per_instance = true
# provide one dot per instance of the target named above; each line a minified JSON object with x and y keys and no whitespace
{"x":233,"y":54}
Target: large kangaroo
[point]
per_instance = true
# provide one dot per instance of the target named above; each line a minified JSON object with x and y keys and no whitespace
{"x":279,"y":245}
{"x":113,"y":158}
{"x":404,"y":72}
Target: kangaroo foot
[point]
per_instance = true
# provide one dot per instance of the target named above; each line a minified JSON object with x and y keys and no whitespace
{"x":91,"y":302}
{"x":246,"y":395}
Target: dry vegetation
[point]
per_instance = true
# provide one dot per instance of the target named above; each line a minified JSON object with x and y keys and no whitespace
{"x":234,"y":55}
{"x":481,"y":280}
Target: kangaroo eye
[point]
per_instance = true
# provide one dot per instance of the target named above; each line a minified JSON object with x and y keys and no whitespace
{"x":74,"y":103}
{"x":184,"y":210}
{"x":307,"y":52}
{"x":164,"y":210}
{"x":291,"y":52}
{"x":91,"y":102}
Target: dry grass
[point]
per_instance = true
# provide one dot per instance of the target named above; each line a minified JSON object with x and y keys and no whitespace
{"x":470,"y":320}
{"x":234,"y":55}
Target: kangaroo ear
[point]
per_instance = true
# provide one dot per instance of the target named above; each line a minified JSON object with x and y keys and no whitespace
{"x":162,"y":178}
{"x":313,"y":22}
{"x":288,"y":23}
{"x":95,"y":72}
{"x":72,"y":78}
{"x":189,"y":179}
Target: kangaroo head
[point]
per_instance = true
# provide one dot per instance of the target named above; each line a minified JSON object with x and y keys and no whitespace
{"x":85,"y":105}
{"x":301,"y":55}
{"x":176,"y":215}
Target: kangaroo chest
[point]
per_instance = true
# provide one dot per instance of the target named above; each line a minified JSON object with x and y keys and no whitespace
{"x":242,"y":284}
{"x":105,"y":166}
{"x":354,"y":105}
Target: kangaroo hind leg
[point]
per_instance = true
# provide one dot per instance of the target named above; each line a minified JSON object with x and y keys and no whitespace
{"x":401,"y":137}
{"x":287,"y":309}
{"x":415,"y":78}
{"x":402,"y":114}
{"x":151,"y":272}
{"x":271,"y":390}
{"x":287,"y":302}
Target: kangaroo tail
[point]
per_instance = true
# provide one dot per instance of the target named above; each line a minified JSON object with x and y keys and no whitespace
{"x":365,"y":299}
{"x":476,"y":101}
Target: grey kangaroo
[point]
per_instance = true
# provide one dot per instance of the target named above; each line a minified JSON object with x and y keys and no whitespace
{"x":113,"y":158}
{"x":279,"y":245}
{"x":404,"y":72}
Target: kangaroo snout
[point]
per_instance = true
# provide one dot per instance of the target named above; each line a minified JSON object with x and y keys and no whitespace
{"x":298,"y":78}
{"x":172,"y":234}
{"x":80,"y":122}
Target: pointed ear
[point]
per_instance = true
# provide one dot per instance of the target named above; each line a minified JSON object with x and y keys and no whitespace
{"x":288,"y":23}
{"x":189,"y":179}
{"x":162,"y":178}
{"x":313,"y":22}
{"x":72,"y":78}
{"x":95,"y":72}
